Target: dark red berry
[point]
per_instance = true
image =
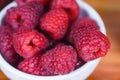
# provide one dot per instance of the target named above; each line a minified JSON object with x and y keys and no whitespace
{"x":28,"y":42}
{"x":60,"y":60}
{"x":91,"y":45}
{"x":82,"y":24}
{"x":24,"y":16}
{"x":6,"y":45}
{"x":70,"y":6}
{"x":55,"y":23}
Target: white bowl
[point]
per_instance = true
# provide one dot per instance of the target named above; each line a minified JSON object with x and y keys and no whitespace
{"x":80,"y":74}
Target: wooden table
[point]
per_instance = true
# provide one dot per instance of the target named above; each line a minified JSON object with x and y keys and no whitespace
{"x":109,"y":67}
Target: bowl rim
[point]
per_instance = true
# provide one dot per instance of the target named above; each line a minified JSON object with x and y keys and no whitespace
{"x":75,"y":72}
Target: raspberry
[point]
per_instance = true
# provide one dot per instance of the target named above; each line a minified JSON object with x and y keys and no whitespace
{"x":70,"y":6}
{"x":55,"y":23}
{"x":28,"y":42}
{"x":59,"y":60}
{"x":33,"y":66}
{"x":24,"y":16}
{"x":85,"y":22}
{"x":91,"y":44}
{"x":6,"y":46}
{"x":82,"y":24}
{"x":22,"y":2}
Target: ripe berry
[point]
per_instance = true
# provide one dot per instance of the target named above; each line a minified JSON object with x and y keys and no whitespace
{"x":24,"y":16}
{"x":91,"y":45}
{"x":55,"y":23}
{"x":60,"y":60}
{"x":82,"y":24}
{"x":28,"y":42}
{"x":70,"y":6}
{"x":33,"y":66}
{"x":6,"y":46}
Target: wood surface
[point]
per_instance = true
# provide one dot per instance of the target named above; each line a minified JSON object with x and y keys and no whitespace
{"x":109,"y":67}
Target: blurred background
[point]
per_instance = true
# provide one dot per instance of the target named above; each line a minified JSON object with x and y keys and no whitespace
{"x":109,"y":67}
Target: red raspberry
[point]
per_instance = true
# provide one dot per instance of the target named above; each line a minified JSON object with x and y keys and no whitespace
{"x":85,"y":22}
{"x":82,"y":24}
{"x":6,"y":46}
{"x":22,"y":2}
{"x":24,"y":16}
{"x":91,"y":44}
{"x":55,"y":23}
{"x":70,"y":6}
{"x":60,"y":60}
{"x":33,"y":66}
{"x":28,"y":42}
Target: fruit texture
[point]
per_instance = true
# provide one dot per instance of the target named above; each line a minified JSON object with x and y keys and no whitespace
{"x":28,"y":42}
{"x":82,"y":24}
{"x":88,"y":40}
{"x":55,"y":23}
{"x":60,"y":60}
{"x":24,"y":16}
{"x":70,"y":6}
{"x":33,"y":66}
{"x":91,"y":45}
{"x":6,"y":45}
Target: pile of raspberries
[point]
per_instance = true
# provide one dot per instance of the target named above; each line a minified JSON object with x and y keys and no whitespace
{"x":47,"y":37}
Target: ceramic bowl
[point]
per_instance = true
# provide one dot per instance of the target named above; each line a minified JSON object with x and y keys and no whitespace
{"x":79,"y":74}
